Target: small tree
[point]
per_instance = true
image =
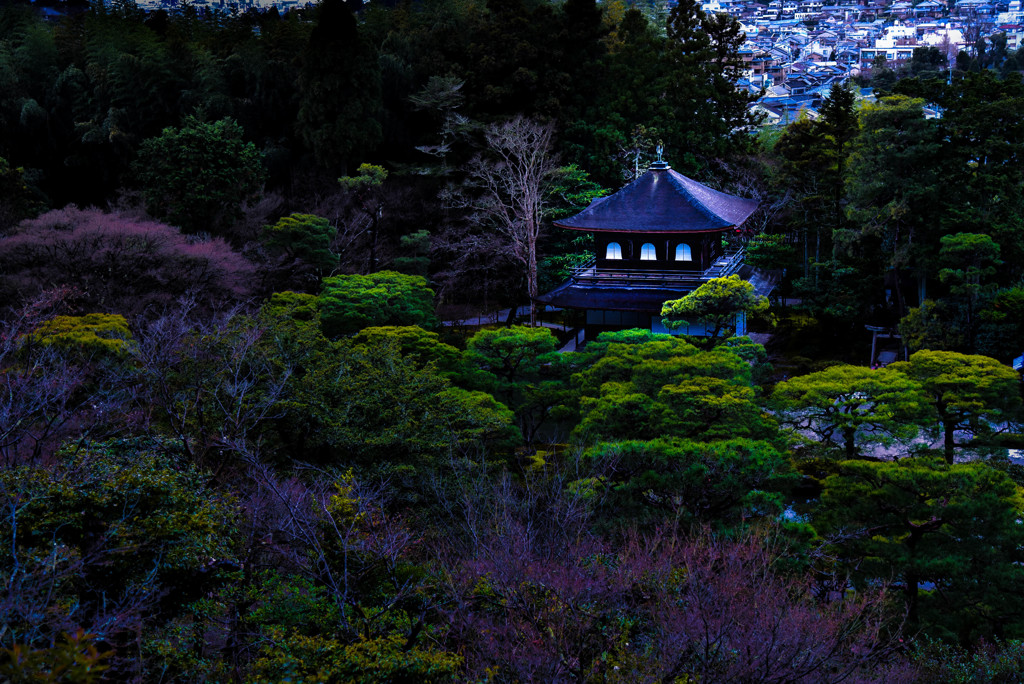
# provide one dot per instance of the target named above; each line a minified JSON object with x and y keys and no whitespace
{"x":339,"y":88}
{"x":366,"y":188}
{"x":43,"y":391}
{"x":847,"y":404}
{"x":717,"y":302}
{"x":350,"y":303}
{"x":968,"y":392}
{"x":513,"y":180}
{"x":691,"y":483}
{"x":304,"y":238}
{"x":197,"y":176}
{"x":1002,"y":324}
{"x":519,"y":366}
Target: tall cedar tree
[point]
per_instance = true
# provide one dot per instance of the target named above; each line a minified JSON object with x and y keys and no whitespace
{"x":814,"y":156}
{"x":711,"y":116}
{"x":984,"y":134}
{"x":838,"y":126}
{"x":518,"y":63}
{"x":628,"y":98}
{"x":340,"y":89}
{"x":895,"y":187}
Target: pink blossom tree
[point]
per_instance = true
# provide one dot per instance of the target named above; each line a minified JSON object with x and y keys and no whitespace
{"x":117,"y":263}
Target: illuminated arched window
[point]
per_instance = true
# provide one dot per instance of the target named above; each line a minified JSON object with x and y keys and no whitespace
{"x":614,"y":251}
{"x":683,"y":252}
{"x":647,"y":252}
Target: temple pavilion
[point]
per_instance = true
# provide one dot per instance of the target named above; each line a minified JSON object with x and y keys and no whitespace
{"x":656,"y":239}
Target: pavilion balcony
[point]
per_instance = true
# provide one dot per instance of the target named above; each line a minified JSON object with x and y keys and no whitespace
{"x":588,"y":274}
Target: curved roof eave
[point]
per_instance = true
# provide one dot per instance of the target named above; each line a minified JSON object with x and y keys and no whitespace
{"x":663,"y":201}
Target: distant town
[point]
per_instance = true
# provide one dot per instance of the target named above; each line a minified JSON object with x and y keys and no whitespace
{"x":796,"y":49}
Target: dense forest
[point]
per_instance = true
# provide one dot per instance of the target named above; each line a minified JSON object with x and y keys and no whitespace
{"x":248,"y":433}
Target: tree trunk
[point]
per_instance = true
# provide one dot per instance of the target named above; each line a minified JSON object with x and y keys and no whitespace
{"x":901,"y":302}
{"x":948,"y":443}
{"x":851,"y":445}
{"x":912,"y":582}
{"x":807,"y":267}
{"x":531,"y":278}
{"x":970,"y":325}
{"x":817,"y":253}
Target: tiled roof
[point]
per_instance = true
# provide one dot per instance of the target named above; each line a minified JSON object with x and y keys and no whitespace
{"x":663,"y":201}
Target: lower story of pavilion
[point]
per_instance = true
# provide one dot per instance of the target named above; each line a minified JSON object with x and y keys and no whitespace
{"x":619,"y":305}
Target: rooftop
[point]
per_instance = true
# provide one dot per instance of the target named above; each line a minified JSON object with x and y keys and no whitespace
{"x":663,"y":201}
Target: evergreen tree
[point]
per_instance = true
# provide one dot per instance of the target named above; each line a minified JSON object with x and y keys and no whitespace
{"x":968,"y":393}
{"x":895,"y":186}
{"x":340,"y":92}
{"x":198,"y":176}
{"x":710,"y":114}
{"x":623,"y":124}
{"x":851,"y":405}
{"x":917,"y":521}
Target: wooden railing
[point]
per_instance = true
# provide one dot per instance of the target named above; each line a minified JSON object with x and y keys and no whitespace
{"x":587,"y":274}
